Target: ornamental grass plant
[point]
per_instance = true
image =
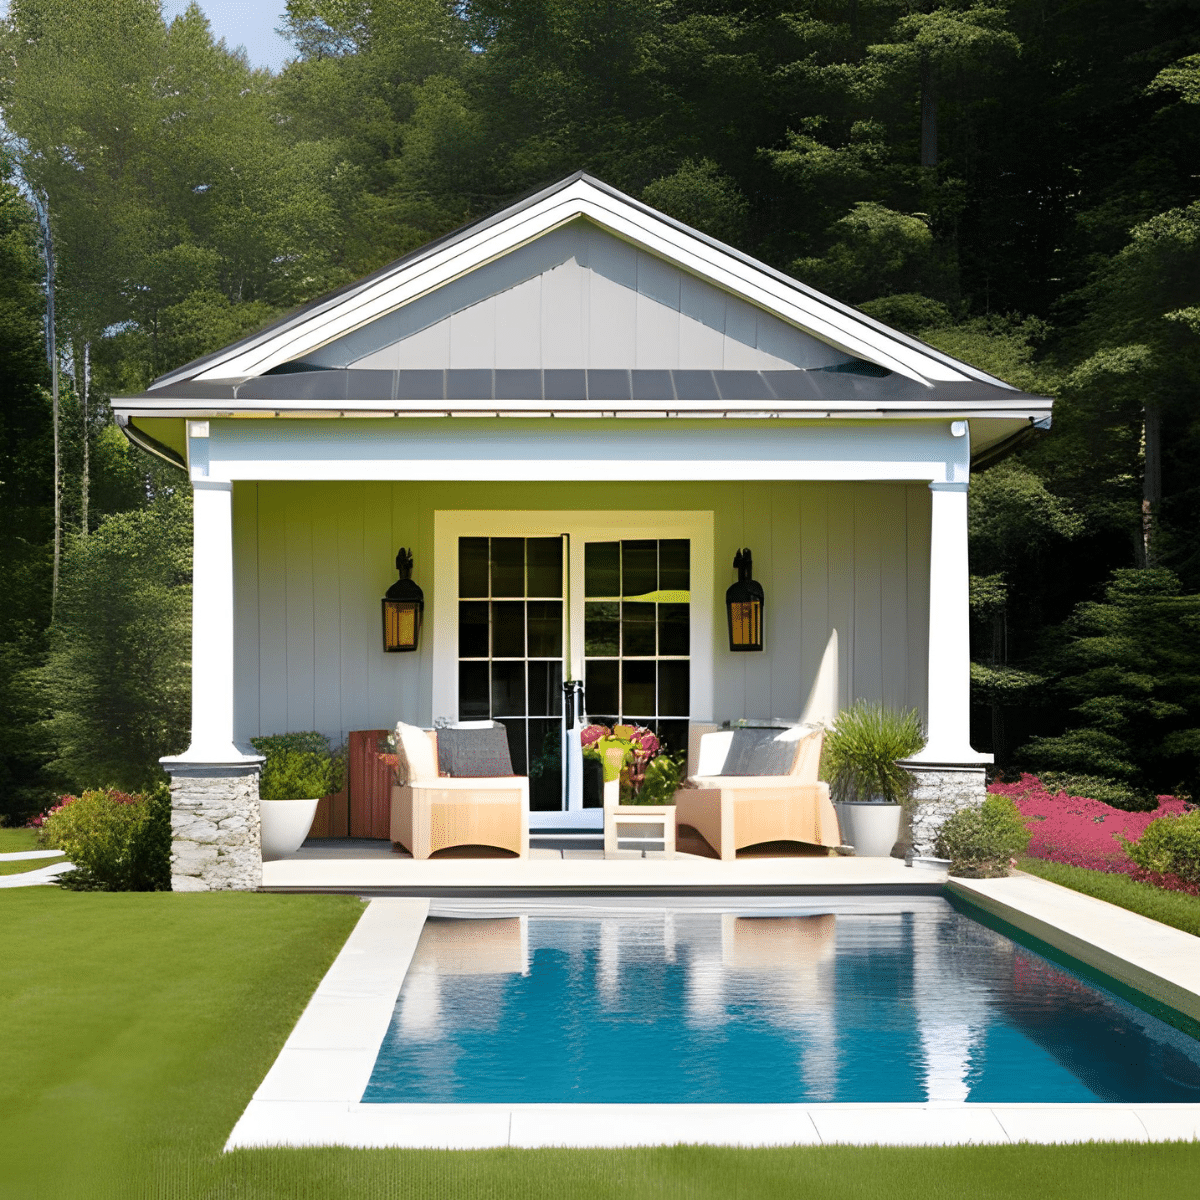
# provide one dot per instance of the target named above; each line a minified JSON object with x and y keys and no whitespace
{"x":862,"y":754}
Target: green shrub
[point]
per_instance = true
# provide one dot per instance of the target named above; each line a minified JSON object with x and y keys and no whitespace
{"x":1113,"y":792}
{"x":117,"y":841}
{"x":663,"y":776}
{"x":980,"y":841}
{"x":299,"y":766}
{"x":862,"y":752}
{"x":1170,"y":846}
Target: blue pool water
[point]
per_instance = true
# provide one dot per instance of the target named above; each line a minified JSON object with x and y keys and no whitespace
{"x":888,"y":1000}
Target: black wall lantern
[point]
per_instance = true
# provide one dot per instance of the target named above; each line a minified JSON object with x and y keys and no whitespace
{"x":403,"y":608}
{"x":744,"y":602}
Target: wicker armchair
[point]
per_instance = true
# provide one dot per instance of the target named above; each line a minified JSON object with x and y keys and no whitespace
{"x":732,"y":811}
{"x":432,"y":811}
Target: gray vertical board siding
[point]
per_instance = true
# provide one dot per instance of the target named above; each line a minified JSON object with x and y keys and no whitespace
{"x":919,"y":512}
{"x":272,"y":612}
{"x":840,"y":581}
{"x":786,"y":607}
{"x":355,"y":606}
{"x":406,"y":668}
{"x":812,"y":552}
{"x":379,"y":572}
{"x":893,"y":611}
{"x":577,"y":297}
{"x":762,"y":668}
{"x":246,"y":639}
{"x":867,"y":679}
{"x":314,"y":559}
{"x":327,"y":610}
{"x":301,"y":626}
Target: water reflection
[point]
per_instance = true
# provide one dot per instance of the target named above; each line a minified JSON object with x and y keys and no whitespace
{"x":669,"y":1005}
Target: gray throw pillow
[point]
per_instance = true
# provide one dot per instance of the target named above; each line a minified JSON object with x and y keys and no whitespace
{"x":759,"y":752}
{"x":474,"y":753}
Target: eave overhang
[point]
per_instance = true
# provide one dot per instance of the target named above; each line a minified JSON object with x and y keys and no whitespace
{"x":815,"y":394}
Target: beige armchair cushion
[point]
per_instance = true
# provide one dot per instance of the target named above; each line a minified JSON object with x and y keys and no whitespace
{"x":417,"y":751}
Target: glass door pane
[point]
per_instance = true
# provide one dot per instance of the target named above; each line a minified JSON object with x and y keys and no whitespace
{"x":637,"y":635}
{"x":510,"y":651}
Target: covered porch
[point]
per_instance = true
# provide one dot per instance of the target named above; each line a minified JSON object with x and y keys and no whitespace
{"x":573,"y":414}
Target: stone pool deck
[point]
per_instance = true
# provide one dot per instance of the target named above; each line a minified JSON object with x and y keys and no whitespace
{"x":1146,"y":955}
{"x":367,"y":868}
{"x":311,"y":1095}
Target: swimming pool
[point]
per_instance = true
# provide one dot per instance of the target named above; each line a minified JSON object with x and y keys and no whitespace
{"x":852,"y":1000}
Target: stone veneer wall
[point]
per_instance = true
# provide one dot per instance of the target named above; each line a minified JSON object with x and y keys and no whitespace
{"x":215,"y":843}
{"x":941,"y":790}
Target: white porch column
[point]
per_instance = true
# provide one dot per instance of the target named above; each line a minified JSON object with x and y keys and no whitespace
{"x":212,"y":628}
{"x":215,"y":843}
{"x":948,"y":712}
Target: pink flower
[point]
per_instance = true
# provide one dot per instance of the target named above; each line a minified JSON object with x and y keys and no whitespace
{"x":1082,"y":832}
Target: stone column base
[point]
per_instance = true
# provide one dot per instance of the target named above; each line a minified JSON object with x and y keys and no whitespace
{"x":941,"y":790}
{"x":215,"y":843}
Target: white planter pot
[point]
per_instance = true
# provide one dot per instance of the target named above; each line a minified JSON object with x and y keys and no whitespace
{"x":872,"y":829}
{"x":284,"y":825}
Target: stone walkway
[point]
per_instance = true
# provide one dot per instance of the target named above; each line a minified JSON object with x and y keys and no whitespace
{"x":39,"y":875}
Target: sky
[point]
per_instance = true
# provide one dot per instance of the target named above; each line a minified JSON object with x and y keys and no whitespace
{"x":247,"y":23}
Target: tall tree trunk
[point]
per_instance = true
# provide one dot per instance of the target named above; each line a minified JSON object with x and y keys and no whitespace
{"x":929,"y":113}
{"x":52,"y":353}
{"x":85,"y":480}
{"x":1151,"y":480}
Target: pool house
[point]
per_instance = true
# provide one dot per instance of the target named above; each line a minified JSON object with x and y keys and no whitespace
{"x":573,"y":415}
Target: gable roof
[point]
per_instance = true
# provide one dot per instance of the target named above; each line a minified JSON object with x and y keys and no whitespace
{"x":885,"y":373}
{"x":437,"y":263}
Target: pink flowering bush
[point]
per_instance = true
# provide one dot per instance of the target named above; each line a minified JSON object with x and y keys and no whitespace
{"x":1086,"y":833}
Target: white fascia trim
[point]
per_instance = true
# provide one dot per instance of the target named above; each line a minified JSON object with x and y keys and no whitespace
{"x":581,"y":199}
{"x":541,"y":410}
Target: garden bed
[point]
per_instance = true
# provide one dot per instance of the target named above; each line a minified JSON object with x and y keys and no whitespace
{"x":1079,"y":832}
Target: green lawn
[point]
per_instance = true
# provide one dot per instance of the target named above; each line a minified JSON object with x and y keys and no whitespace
{"x":136,"y":1027}
{"x":14,"y":840}
{"x":21,"y":865}
{"x":1171,"y":908}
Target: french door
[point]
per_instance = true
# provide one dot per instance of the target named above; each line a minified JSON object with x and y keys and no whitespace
{"x":532,"y":608}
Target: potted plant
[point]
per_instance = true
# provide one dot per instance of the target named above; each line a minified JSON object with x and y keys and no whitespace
{"x":299,"y":769}
{"x":868,"y":786}
{"x":639,"y":781}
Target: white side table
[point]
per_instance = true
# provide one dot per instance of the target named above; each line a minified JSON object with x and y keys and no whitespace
{"x":637,"y":830}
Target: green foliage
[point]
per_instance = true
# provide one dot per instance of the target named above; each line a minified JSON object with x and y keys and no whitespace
{"x":116,"y":681}
{"x":662,"y":780}
{"x":1129,"y":667}
{"x":299,"y":766}
{"x":862,"y":753}
{"x":1170,"y":846}
{"x":118,"y":842}
{"x":908,"y":311}
{"x":1112,"y":792}
{"x":700,"y":194}
{"x":980,"y":841}
{"x":1012,"y":514}
{"x":878,"y":252}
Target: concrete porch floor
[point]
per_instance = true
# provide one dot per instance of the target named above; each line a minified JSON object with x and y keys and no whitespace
{"x":362,"y":866}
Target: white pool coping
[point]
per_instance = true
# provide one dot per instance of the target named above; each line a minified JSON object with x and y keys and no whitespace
{"x":311,"y":1096}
